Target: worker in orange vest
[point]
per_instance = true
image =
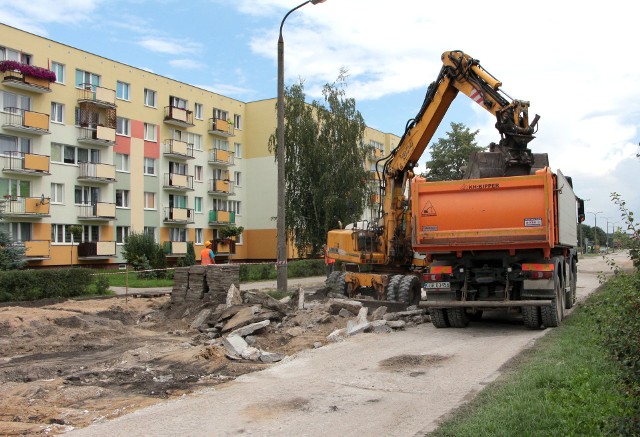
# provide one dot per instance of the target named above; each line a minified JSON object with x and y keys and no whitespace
{"x":207,"y":256}
{"x":328,"y":262}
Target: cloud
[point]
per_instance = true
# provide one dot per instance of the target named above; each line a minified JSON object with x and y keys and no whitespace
{"x":187,"y":64}
{"x":228,"y":90}
{"x":31,"y":15}
{"x":168,"y":46}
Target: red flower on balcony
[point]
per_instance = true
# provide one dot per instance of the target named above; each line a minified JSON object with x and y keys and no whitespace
{"x":28,"y":70}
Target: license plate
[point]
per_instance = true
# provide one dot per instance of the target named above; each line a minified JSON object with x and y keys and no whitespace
{"x":437,"y":285}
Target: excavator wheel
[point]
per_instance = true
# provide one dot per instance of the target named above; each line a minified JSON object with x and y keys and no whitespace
{"x":336,"y":282}
{"x":439,"y":317}
{"x":391,"y":292}
{"x":409,"y":290}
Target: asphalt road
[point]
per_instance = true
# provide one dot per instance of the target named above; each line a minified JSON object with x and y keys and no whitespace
{"x":398,"y":384}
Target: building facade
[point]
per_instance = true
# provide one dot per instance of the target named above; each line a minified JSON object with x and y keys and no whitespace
{"x":105,"y":149}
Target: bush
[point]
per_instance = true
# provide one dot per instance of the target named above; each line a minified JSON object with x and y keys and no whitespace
{"x":143,"y":253}
{"x":17,"y":285}
{"x":295,"y":269}
{"x":101,"y":284}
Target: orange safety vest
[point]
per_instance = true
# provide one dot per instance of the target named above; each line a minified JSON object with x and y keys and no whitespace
{"x":328,"y":260}
{"x":205,"y":257}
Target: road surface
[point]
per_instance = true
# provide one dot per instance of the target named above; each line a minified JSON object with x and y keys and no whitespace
{"x":398,"y":384}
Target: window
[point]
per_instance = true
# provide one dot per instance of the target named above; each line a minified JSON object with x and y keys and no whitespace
{"x":123,"y":126}
{"x":149,"y":200}
{"x":194,"y":140}
{"x":177,"y":168}
{"x":85,"y":79}
{"x":149,"y":166}
{"x":19,"y":232}
{"x":198,"y":173}
{"x":66,"y":154}
{"x":177,"y":234}
{"x":15,"y":188}
{"x":86,"y":195}
{"x":122,"y":233}
{"x":59,"y":70}
{"x":177,"y":102}
{"x":149,"y":98}
{"x":122,"y":90}
{"x":197,"y":205}
{"x":219,"y":114}
{"x":122,"y":162}
{"x":10,"y":144}
{"x":197,"y":112}
{"x":88,"y":155}
{"x":12,"y":102}
{"x":239,"y":239}
{"x":237,"y":120}
{"x":220,"y":144}
{"x":57,"y":112}
{"x":177,"y":201}
{"x":234,"y":206}
{"x":151,"y":230}
{"x":199,"y":236}
{"x":61,"y":233}
{"x":7,"y":54}
{"x":57,"y":193}
{"x":122,"y":198}
{"x":237,"y":178}
{"x":238,"y":150}
{"x":150,"y":132}
{"x":90,"y":233}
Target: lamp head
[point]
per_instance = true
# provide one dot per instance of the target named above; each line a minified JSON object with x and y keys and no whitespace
{"x":315,"y":2}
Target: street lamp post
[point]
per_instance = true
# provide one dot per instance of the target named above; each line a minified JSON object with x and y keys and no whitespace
{"x":595,"y":226}
{"x":280,"y":156}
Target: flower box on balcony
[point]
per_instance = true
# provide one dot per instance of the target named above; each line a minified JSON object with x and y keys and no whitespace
{"x":29,"y":71}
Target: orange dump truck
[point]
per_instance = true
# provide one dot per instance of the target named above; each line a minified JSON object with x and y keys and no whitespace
{"x":498,"y":243}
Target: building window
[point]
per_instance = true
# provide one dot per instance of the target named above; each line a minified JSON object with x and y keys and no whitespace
{"x":15,"y":188}
{"x":10,"y":145}
{"x":149,"y":166}
{"x":86,"y":195}
{"x":197,"y":173}
{"x":219,"y":114}
{"x":238,"y":150}
{"x":123,"y":126}
{"x":60,"y":234}
{"x":57,"y":193}
{"x":122,"y":90}
{"x":237,"y":178}
{"x":199,"y":236}
{"x":149,"y":200}
{"x":234,"y":206}
{"x":150,"y":132}
{"x":195,"y":140}
{"x":177,"y":234}
{"x":197,"y":111}
{"x":86,"y":79}
{"x":59,"y":70}
{"x":149,"y":98}
{"x":7,"y":54}
{"x":122,"y":162}
{"x":177,"y":201}
{"x":11,"y":102}
{"x":66,"y":154}
{"x":122,"y":198}
{"x":237,"y":121}
{"x":151,"y":231}
{"x":122,"y":233}
{"x":197,"y":204}
{"x":57,"y":112}
{"x":177,"y":102}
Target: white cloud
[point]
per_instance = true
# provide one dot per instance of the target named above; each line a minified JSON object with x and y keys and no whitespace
{"x":30,"y":15}
{"x":186,"y":64}
{"x":229,"y":90}
{"x":168,"y":46}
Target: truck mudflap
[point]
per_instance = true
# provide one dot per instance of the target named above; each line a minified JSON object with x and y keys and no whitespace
{"x":486,"y":304}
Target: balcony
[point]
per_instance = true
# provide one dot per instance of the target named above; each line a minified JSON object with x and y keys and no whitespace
{"x":94,"y":172}
{"x":100,"y":211}
{"x":26,"y":164}
{"x":35,"y":250}
{"x":175,"y":248}
{"x":178,"y":116}
{"x":223,"y":187}
{"x":97,"y":136}
{"x":97,"y":96}
{"x":24,"y":207}
{"x":221,"y":157}
{"x":178,"y":149}
{"x":21,"y":120}
{"x":221,"y":217}
{"x":24,"y":81}
{"x":178,"y":215}
{"x":224,"y":247}
{"x":96,"y":250}
{"x":178,"y":182}
{"x":218,"y":126}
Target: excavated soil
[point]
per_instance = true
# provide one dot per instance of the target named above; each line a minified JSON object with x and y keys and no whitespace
{"x":68,"y":364}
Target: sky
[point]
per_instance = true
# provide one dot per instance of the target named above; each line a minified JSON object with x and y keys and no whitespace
{"x":576,"y":62}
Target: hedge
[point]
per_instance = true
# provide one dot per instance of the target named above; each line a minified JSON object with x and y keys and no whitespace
{"x":20,"y":285}
{"x":295,"y":269}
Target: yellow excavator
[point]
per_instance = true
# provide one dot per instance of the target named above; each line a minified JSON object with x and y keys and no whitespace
{"x":378,"y":258}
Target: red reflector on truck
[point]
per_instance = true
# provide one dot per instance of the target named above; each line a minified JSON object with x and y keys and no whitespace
{"x":447,"y":270}
{"x":530,"y":267}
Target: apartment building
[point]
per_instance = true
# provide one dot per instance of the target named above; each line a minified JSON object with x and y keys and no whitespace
{"x":106,"y":149}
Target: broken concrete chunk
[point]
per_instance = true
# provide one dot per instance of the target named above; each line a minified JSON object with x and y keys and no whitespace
{"x":362,"y":315}
{"x":271,"y":357}
{"x":379,"y":329}
{"x":352,"y":306}
{"x":337,"y":335}
{"x":300,"y":298}
{"x":250,"y":329}
{"x":317,"y":344}
{"x":378,"y":313}
{"x":345,"y":313}
{"x":295,"y":331}
{"x":412,"y":313}
{"x":390,"y":316}
{"x":251,"y":353}
{"x":233,"y":296}
{"x":200,"y":319}
{"x":234,"y":345}
{"x":285,"y":300}
{"x":354,"y":328}
{"x":396,"y":324}
{"x":260,"y":298}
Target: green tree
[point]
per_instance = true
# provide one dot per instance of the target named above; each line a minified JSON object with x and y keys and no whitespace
{"x":143,"y":253}
{"x":324,"y":164}
{"x":450,"y":155}
{"x":11,"y":257}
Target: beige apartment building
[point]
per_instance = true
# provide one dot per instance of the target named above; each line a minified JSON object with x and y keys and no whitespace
{"x":115,"y":149}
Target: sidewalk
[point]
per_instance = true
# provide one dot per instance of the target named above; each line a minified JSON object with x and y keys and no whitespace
{"x":292,"y":285}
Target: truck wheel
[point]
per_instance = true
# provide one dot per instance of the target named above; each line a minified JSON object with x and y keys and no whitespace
{"x":409,"y":290}
{"x":391,"y":292}
{"x":553,"y":315}
{"x":532,"y":318}
{"x":439,"y":317}
{"x":570,"y":298}
{"x":458,"y":317}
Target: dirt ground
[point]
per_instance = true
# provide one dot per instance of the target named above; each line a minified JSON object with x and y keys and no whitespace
{"x":68,"y":364}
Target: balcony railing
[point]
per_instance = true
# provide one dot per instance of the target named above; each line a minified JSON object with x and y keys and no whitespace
{"x":12,"y":206}
{"x":221,"y":217}
{"x":97,"y":250}
{"x":175,"y":248}
{"x":178,"y":149}
{"x":178,"y":182}
{"x":35,"y":250}
{"x":225,"y":246}
{"x":100,"y":211}
{"x":97,"y":95}
{"x":178,"y":116}
{"x":221,"y":186}
{"x":26,"y":163}
{"x":221,"y":157}
{"x":97,"y":135}
{"x":95,"y":172}
{"x":22,"y":120}
{"x":221,"y":127}
{"x":178,"y":215}
{"x":16,"y":79}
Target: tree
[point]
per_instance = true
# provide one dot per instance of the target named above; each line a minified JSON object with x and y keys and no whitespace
{"x":450,"y":155}
{"x":324,"y":164}
{"x":11,"y":257}
{"x":143,"y":253}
